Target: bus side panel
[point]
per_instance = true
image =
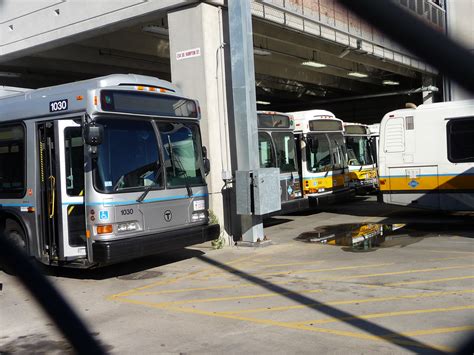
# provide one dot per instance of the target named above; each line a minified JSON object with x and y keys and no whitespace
{"x":415,"y":186}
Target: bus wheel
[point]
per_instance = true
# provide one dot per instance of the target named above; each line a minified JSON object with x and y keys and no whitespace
{"x":15,"y":234}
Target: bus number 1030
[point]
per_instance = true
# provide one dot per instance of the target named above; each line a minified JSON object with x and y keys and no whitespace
{"x":59,"y":105}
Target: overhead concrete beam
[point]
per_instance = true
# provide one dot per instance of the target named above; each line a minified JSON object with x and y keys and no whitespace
{"x":28,"y":27}
{"x":270,"y":34}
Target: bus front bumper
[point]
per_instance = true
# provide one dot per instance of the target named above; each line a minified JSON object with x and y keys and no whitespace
{"x":113,"y":251}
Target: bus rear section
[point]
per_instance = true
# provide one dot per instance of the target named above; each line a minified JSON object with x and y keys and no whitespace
{"x":103,"y":171}
{"x":322,"y":153}
{"x":426,"y":156}
{"x":362,"y":169}
{"x":276,"y":146}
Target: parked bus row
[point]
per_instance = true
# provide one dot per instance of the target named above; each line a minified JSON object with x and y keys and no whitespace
{"x":321,"y":158}
{"x":113,"y":168}
{"x":102,"y":171}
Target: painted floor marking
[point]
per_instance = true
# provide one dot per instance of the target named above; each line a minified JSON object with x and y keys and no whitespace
{"x":350,"y":334}
{"x":232,"y":298}
{"x":366,"y":300}
{"x":399,"y":272}
{"x":175,"y":279}
{"x":384,"y":315}
{"x":219,"y":287}
{"x":429,"y":281}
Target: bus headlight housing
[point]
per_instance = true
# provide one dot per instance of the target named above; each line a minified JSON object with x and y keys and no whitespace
{"x":127,"y":227}
{"x":198,"y":216}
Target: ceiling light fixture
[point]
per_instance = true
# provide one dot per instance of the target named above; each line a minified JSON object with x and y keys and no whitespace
{"x":6,"y":74}
{"x":263,"y":103}
{"x":156,"y":30}
{"x":357,"y":74}
{"x":310,"y":63}
{"x":390,"y":82}
{"x":262,"y":52}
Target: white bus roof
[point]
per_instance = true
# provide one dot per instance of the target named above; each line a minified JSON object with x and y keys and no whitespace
{"x":303,"y":118}
{"x":433,"y":106}
{"x":30,"y":103}
{"x":10,"y":91}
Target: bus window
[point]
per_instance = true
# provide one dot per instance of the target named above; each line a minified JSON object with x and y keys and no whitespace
{"x":338,"y":150}
{"x":182,"y":146}
{"x":265,"y":151}
{"x":460,"y":142}
{"x":74,"y":161}
{"x":358,"y":151}
{"x":318,"y":156}
{"x":128,"y":157}
{"x":285,"y":151}
{"x":12,"y":161}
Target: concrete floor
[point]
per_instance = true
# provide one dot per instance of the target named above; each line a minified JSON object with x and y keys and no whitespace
{"x":413,"y":293}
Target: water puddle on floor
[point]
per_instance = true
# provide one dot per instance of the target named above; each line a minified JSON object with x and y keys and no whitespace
{"x":359,"y":237}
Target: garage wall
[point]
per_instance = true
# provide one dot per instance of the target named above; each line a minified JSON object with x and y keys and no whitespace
{"x":27,"y":26}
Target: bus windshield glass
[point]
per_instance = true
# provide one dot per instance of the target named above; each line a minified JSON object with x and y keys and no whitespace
{"x":147,"y":104}
{"x":182,"y":152}
{"x":318,"y":154}
{"x":358,"y":151}
{"x":265,"y":150}
{"x":128,"y":157}
{"x":285,"y":151}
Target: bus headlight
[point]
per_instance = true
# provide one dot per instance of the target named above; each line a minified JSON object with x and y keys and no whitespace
{"x":127,"y":227}
{"x":198,"y":216}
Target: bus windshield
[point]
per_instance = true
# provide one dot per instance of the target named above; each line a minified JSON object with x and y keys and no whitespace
{"x":285,"y":151}
{"x":182,"y":151}
{"x":358,"y":151}
{"x":129,"y":156}
{"x":318,"y":154}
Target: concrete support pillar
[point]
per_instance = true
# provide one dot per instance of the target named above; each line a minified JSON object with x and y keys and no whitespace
{"x":245,"y":107}
{"x":198,"y":67}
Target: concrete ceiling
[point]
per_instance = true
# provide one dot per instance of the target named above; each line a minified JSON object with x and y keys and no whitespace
{"x":280,"y":77}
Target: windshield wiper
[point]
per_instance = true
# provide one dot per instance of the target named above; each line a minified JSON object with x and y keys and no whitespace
{"x":181,"y":168}
{"x":150,"y":187}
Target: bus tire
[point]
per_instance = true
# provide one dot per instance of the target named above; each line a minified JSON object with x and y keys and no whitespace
{"x":14,"y":232}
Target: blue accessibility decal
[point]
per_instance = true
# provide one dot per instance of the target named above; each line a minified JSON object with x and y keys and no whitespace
{"x":413,"y":183}
{"x":103,"y":215}
{"x":290,"y":190}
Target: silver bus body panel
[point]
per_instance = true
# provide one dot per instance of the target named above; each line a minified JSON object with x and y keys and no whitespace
{"x":152,"y":214}
{"x":414,"y":167}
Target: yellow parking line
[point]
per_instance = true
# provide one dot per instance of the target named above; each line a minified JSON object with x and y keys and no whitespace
{"x":174,"y":279}
{"x":294,"y":264}
{"x":453,"y":258}
{"x":399,"y":272}
{"x":429,"y":281}
{"x":384,"y":315}
{"x":366,"y":300}
{"x":232,"y":298}
{"x":302,"y":271}
{"x":444,"y":251}
{"x":434,"y":331}
{"x":364,"y":336}
{"x":219,"y":287}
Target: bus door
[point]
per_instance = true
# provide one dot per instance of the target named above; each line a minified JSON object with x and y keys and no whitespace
{"x":62,"y":189}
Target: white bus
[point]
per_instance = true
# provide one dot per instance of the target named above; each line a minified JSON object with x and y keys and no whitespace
{"x":362,"y":169}
{"x":276,"y":146}
{"x":102,"y":170}
{"x":426,"y":156}
{"x":322,"y":156}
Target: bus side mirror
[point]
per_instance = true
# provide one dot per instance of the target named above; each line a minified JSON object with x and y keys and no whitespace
{"x":93,"y":134}
{"x":206,"y":162}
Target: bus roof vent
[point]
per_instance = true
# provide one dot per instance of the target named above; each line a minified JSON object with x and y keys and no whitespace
{"x":394,"y":135}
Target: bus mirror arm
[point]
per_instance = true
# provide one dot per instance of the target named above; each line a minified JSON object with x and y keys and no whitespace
{"x":205,"y":161}
{"x":93,"y":134}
